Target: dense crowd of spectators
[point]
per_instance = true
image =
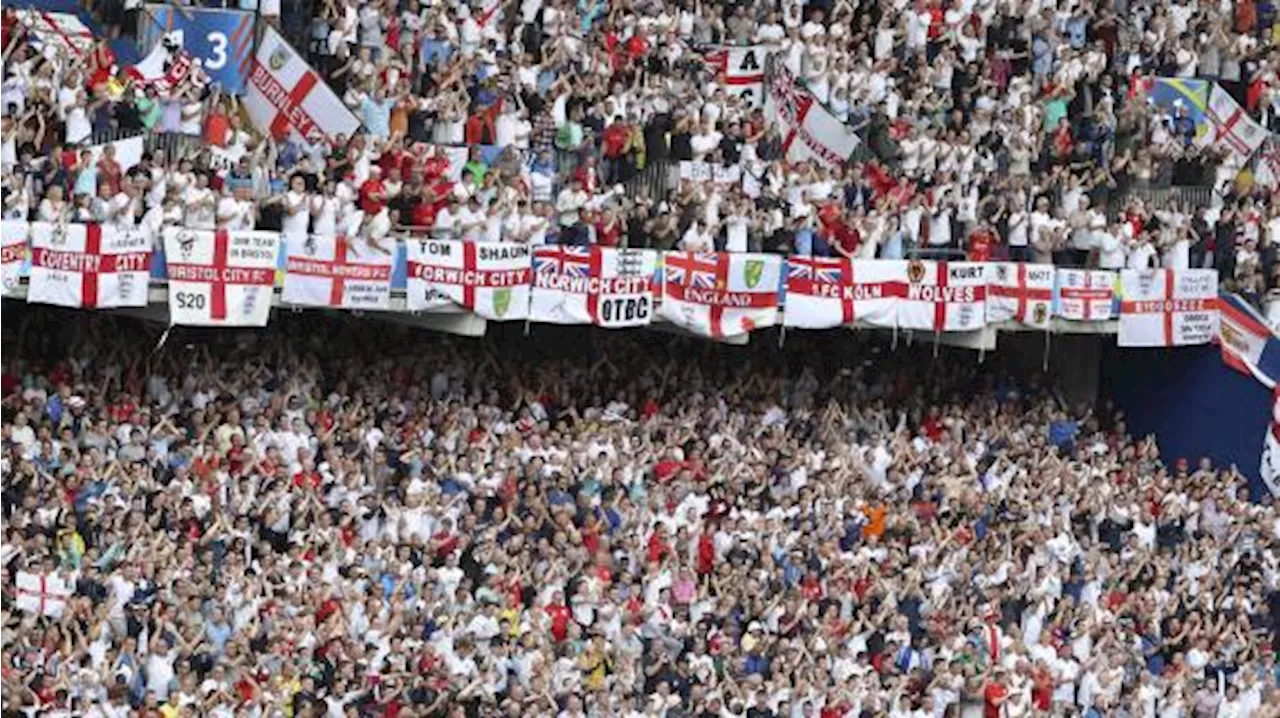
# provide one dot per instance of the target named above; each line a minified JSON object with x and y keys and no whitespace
{"x":334,"y":517}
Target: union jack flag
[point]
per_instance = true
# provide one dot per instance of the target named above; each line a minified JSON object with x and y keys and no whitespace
{"x":826,"y":271}
{"x":569,"y":261}
{"x":691,"y":270}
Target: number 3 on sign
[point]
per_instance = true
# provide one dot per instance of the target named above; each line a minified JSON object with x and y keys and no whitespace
{"x":217,"y":46}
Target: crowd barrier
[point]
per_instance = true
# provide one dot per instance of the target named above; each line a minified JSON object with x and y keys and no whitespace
{"x":230,"y":278}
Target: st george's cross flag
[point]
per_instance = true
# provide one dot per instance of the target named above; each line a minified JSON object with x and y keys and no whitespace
{"x":944,"y":296}
{"x":339,"y":272}
{"x":221,"y":277}
{"x":488,"y":279}
{"x":1168,"y":307}
{"x":1020,"y":292}
{"x":721,"y":294}
{"x":89,"y":266}
{"x":810,"y":133}
{"x":826,"y":292}
{"x":1086,"y":295}
{"x":284,"y":94}
{"x":45,"y":594}
{"x":603,"y":286}
{"x":14,"y":237}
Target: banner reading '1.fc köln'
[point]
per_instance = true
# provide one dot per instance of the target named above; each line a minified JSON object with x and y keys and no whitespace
{"x":489,"y":279}
{"x":593,"y":285}
{"x":943,"y":296}
{"x":721,"y":294}
{"x":89,"y":266}
{"x":339,"y":272}
{"x":827,"y":292}
{"x":285,"y":94}
{"x":1168,"y":307}
{"x":1019,"y":292}
{"x":221,"y":278}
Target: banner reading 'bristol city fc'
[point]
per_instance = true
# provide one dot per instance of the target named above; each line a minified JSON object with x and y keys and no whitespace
{"x":89,"y":266}
{"x":593,"y":285}
{"x":720,"y":294}
{"x":221,"y":278}
{"x":338,"y":272}
{"x":489,"y":279}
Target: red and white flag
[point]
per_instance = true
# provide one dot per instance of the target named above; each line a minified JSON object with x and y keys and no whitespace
{"x":1269,"y":471}
{"x":593,"y":285}
{"x":721,"y":294}
{"x":45,"y":594}
{"x":827,"y":292}
{"x":284,"y":94}
{"x":14,"y":235}
{"x":943,"y":296}
{"x":1020,"y":292}
{"x":1086,"y":295}
{"x":489,"y":279}
{"x":89,"y":266}
{"x":221,"y":278}
{"x":168,"y":69}
{"x":1168,"y":307}
{"x":740,"y":70}
{"x":810,"y":133}
{"x":1233,"y":130}
{"x":338,"y":272}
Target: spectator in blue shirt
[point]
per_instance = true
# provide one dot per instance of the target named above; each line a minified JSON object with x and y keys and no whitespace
{"x":376,"y":111}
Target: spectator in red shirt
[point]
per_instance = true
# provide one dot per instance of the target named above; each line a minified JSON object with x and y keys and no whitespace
{"x":983,"y":243}
{"x":373,"y":193}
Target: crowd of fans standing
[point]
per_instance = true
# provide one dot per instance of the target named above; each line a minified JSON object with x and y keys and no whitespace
{"x":331,"y":517}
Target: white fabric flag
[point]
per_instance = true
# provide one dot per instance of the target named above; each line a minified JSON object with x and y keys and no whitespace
{"x":721,"y":294}
{"x":285,"y":95}
{"x":337,"y":272}
{"x":1020,"y":292}
{"x":221,"y":278}
{"x":489,"y":279}
{"x":44,"y":594}
{"x":1168,"y":307}
{"x":1086,"y":295}
{"x":944,"y":296}
{"x":89,"y":266}
{"x":593,"y":285}
{"x":14,"y":236}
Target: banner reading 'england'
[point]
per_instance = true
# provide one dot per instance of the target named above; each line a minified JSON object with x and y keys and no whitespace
{"x":1168,"y":307}
{"x":1020,"y":292}
{"x":721,"y":294}
{"x":489,"y":279}
{"x":338,"y":272}
{"x":1086,"y":295}
{"x":89,"y":266}
{"x":221,"y":278}
{"x":944,"y":296}
{"x":593,"y":285}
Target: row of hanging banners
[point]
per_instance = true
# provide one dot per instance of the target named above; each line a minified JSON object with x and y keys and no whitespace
{"x":229,"y":278}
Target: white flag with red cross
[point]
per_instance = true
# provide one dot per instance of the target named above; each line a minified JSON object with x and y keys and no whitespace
{"x":1020,"y":292}
{"x":89,"y":266}
{"x":1233,"y":129}
{"x":593,"y":285}
{"x":1168,"y":307}
{"x":827,"y":292}
{"x":810,"y":133}
{"x":490,"y":279}
{"x":42,"y":593}
{"x":1086,"y":295}
{"x":221,"y":277}
{"x":943,"y":296}
{"x":284,"y":94}
{"x":721,"y":294}
{"x":14,"y":236}
{"x":337,"y":271}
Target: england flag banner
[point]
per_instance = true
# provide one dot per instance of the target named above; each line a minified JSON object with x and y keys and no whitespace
{"x":810,"y":132}
{"x":721,"y":294}
{"x":338,"y":272}
{"x":827,"y":292}
{"x":740,"y":70}
{"x":221,"y":278}
{"x":44,"y":594}
{"x":89,"y":266}
{"x":488,"y":279}
{"x":1020,"y":292}
{"x":1168,"y":307}
{"x":1086,"y":295}
{"x":1233,"y":130}
{"x":285,"y":95}
{"x":944,"y":296}
{"x":14,"y":235}
{"x":593,"y":285}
